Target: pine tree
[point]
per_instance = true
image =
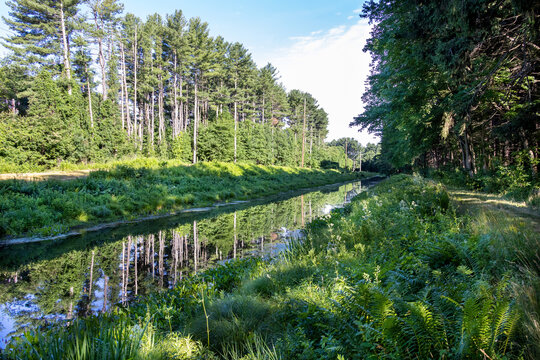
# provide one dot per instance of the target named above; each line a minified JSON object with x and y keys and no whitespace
{"x":105,"y":21}
{"x":82,"y":68}
{"x":239,"y":65}
{"x":130,"y":52}
{"x":164,"y":84}
{"x":176,"y":52}
{"x":200,"y":62}
{"x":42,"y":31}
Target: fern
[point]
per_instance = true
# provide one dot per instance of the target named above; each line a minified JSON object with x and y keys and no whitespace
{"x":422,"y":331}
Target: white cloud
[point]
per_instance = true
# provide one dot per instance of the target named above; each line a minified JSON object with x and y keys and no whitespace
{"x":357,"y":11}
{"x":333,"y":68}
{"x":350,"y":17}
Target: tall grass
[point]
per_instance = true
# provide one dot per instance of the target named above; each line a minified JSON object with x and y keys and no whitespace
{"x":254,"y":348}
{"x":513,"y":244}
{"x":100,"y":338}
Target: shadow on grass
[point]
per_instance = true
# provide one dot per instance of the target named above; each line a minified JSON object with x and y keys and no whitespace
{"x":52,"y":207}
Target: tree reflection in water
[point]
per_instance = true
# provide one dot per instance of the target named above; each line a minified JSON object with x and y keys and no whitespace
{"x":98,"y":272}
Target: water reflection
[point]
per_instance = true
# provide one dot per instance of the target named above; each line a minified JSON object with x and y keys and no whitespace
{"x":45,"y":282}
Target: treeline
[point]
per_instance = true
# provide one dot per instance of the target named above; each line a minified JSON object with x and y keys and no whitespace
{"x":455,"y":84}
{"x":362,"y":158}
{"x":84,"y":83}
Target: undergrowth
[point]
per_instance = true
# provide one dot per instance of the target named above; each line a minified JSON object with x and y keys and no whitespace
{"x":516,"y":182}
{"x":397,"y":274}
{"x":140,"y":188}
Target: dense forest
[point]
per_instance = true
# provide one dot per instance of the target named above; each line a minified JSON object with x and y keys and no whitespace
{"x":455,"y":84}
{"x":84,"y":83}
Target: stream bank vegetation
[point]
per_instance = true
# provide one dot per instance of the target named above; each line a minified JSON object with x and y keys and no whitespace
{"x":454,"y":89}
{"x":141,"y":188}
{"x":396,"y":274}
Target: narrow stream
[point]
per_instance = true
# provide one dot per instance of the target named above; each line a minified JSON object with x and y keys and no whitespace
{"x":57,"y":280}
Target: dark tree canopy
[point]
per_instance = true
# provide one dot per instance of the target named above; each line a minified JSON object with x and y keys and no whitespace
{"x":454,"y":82}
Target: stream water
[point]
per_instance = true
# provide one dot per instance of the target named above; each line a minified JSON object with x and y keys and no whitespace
{"x":57,"y":280}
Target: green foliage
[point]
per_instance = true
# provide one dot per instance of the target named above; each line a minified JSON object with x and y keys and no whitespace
{"x":142,"y":187}
{"x":449,"y":87}
{"x":253,"y":348}
{"x":217,"y":140}
{"x":516,"y":182}
{"x":395,"y":274}
{"x":181,"y":147}
{"x":232,"y":320}
{"x":111,"y":337}
{"x":168,"y":88}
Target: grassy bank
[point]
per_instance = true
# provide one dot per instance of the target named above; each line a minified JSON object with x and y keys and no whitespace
{"x":397,"y":274}
{"x":513,"y":183}
{"x":141,"y":188}
{"x":6,"y":167}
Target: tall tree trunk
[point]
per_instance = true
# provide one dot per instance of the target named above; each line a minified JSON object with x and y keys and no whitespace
{"x":176,"y":112}
{"x":151,"y":126}
{"x":304,"y":134}
{"x":135,"y":120}
{"x":65,"y":45}
{"x":235,"y":121}
{"x":195,"y":120}
{"x":101,"y":56}
{"x":311,"y":146}
{"x":90,"y":111}
{"x":161,"y":110}
{"x":186,"y":112}
{"x":125,"y":88}
{"x":183,"y":117}
{"x":465,"y":145}
{"x":122,"y":99}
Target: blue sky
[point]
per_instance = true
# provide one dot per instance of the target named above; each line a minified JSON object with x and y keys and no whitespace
{"x":316,"y":45}
{"x":261,"y":25}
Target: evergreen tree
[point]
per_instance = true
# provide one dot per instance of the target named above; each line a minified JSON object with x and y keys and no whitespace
{"x":200,"y":62}
{"x":105,"y":21}
{"x":162,"y":86}
{"x":217,"y":140}
{"x":239,"y":66}
{"x":42,"y":31}
{"x":176,"y":52}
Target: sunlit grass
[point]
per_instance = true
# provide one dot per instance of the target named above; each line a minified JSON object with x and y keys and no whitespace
{"x":477,"y":197}
{"x":143,"y":187}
